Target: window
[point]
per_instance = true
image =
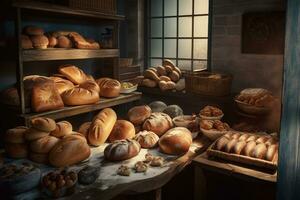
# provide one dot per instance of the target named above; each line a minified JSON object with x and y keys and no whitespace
{"x":178,"y":30}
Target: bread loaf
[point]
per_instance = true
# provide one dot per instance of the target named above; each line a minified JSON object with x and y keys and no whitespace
{"x":157,"y":106}
{"x":90,"y":85}
{"x":15,"y":135}
{"x":247,"y":151}
{"x":168,"y":62}
{"x":239,"y":146}
{"x":73,"y":73}
{"x":147,"y":139}
{"x":64,"y":42}
{"x":176,"y":141}
{"x":173,"y":111}
{"x":174,"y":76}
{"x":122,"y":150}
{"x":41,"y":158}
{"x":84,"y":128}
{"x":164,"y":78}
{"x":43,"y":145}
{"x":62,"y":84}
{"x":151,"y":75}
{"x":43,"y":124}
{"x":262,"y":139}
{"x":158,"y":123}
{"x":34,"y":134}
{"x":62,"y":129}
{"x":259,"y":151}
{"x":138,"y":114}
{"x":81,"y":43}
{"x":272,"y":150}
{"x":52,"y":41}
{"x":33,"y":30}
{"x":102,"y":126}
{"x":16,"y":150}
{"x":109,"y":87}
{"x":221,"y":143}
{"x":149,"y":83}
{"x":161,"y":71}
{"x":122,"y":130}
{"x":80,"y":96}
{"x":39,"y":41}
{"x":26,"y":42}
{"x":229,"y":147}
{"x":166,"y":85}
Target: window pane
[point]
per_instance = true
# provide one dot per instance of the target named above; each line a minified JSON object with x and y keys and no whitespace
{"x":201,"y":26}
{"x":184,"y":48}
{"x":170,"y":48}
{"x":170,"y":27}
{"x":185,"y":65}
{"x":185,"y":7}
{"x":185,"y":26}
{"x":155,"y":62}
{"x":156,"y":8}
{"x":200,"y":49}
{"x":200,"y":65}
{"x":156,"y":27}
{"x":156,"y":48}
{"x":201,"y":6}
{"x":170,"y":7}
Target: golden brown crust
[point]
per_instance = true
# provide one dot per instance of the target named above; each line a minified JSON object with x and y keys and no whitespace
{"x":43,"y":124}
{"x":80,"y":96}
{"x":138,"y":114}
{"x":174,"y":76}
{"x":122,"y":130}
{"x":43,"y":145}
{"x":62,"y":129}
{"x":52,"y":41}
{"x":39,"y":41}
{"x":151,"y":75}
{"x":90,"y":85}
{"x":62,"y":84}
{"x":73,"y":73}
{"x":158,"y":123}
{"x":109,"y":87}
{"x":147,"y":139}
{"x":168,"y":62}
{"x":15,"y":135}
{"x":64,"y":42}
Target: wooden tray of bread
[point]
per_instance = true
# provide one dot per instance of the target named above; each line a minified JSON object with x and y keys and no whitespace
{"x":260,"y":150}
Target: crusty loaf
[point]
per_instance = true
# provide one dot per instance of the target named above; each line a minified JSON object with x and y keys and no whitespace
{"x":122,"y":129}
{"x":176,"y":141}
{"x":90,"y":85}
{"x":81,"y":43}
{"x":69,"y":150}
{"x":43,"y":123}
{"x":80,"y":96}
{"x":43,"y":145}
{"x":62,"y":84}
{"x":73,"y":73}
{"x":109,"y":87}
{"x":138,"y":114}
{"x":34,"y":134}
{"x":147,"y":139}
{"x":15,"y":135}
{"x":158,"y":123}
{"x":62,"y":129}
{"x":102,"y":126}
{"x":122,"y":150}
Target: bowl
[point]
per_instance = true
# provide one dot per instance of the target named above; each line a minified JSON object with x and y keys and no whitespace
{"x":212,"y":134}
{"x":184,"y":120}
{"x":251,"y":109}
{"x":211,"y":118}
{"x":129,"y":90}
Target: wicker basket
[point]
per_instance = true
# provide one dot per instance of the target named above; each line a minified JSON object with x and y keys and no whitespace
{"x":103,"y":6}
{"x":206,"y":83}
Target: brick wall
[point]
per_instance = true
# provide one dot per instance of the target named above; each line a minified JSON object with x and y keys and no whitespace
{"x":249,"y":70}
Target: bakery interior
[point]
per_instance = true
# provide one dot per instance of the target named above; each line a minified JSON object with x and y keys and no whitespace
{"x":149,"y":99}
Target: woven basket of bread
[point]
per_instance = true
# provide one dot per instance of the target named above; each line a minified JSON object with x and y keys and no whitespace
{"x":103,"y":6}
{"x":206,"y":83}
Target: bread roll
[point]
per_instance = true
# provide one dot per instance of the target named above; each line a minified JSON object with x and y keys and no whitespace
{"x":16,"y":150}
{"x":221,"y":143}
{"x":122,"y":130}
{"x":39,"y":41}
{"x":73,"y":73}
{"x":45,"y":97}
{"x":122,"y":150}
{"x":161,"y":71}
{"x":80,"y":96}
{"x":262,"y":139}
{"x":90,"y":85}
{"x":244,"y":137}
{"x":43,"y":124}
{"x":62,"y":129}
{"x":259,"y":151}
{"x":176,"y":141}
{"x":69,"y":151}
{"x":157,"y":106}
{"x":272,"y":150}
{"x":271,"y":141}
{"x":147,"y":139}
{"x":34,"y":134}
{"x":229,"y":147}
{"x":26,"y":42}
{"x":247,"y":151}
{"x":168,"y":69}
{"x":33,"y":30}
{"x":239,"y":146}
{"x":168,"y":62}
{"x":251,"y":138}
{"x":109,"y":87}
{"x":41,"y":158}
{"x":84,"y":128}
{"x":64,"y":42}
{"x":164,"y":78}
{"x":149,"y":83}
{"x":235,"y":135}
{"x":15,"y":135}
{"x":102,"y":126}
{"x":52,"y":41}
{"x":158,"y":123}
{"x":174,"y":76}
{"x":43,"y":145}
{"x":151,"y":75}
{"x":169,"y":85}
{"x":81,"y":43}
{"x":62,"y":84}
{"x":138,"y":114}
{"x":178,"y":71}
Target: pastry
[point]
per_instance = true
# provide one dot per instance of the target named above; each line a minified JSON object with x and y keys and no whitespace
{"x":123,"y":170}
{"x":157,"y":161}
{"x":211,"y":111}
{"x":140,"y":167}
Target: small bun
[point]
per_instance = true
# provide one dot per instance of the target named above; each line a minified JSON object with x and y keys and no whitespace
{"x":62,"y":128}
{"x":64,"y":42}
{"x":43,"y":123}
{"x":39,"y":41}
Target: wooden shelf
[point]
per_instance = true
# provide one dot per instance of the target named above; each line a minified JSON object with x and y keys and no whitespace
{"x":67,"y":54}
{"x":63,"y":10}
{"x":76,"y":110}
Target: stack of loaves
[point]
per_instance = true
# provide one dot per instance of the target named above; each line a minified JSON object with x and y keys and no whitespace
{"x":47,"y":142}
{"x":35,"y":37}
{"x":166,"y":77}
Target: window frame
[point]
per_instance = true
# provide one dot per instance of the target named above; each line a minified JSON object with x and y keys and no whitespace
{"x":148,"y":37}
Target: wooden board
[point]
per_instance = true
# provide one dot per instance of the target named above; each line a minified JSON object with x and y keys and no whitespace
{"x":46,"y":7}
{"x":67,"y":54}
{"x":75,"y":110}
{"x":228,"y":168}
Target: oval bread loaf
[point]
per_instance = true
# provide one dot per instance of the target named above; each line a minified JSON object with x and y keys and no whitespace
{"x":122,"y":150}
{"x":249,"y":148}
{"x":122,"y":130}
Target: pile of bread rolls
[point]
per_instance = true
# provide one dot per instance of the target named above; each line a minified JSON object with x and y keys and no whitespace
{"x":165,"y":77}
{"x":47,"y":142}
{"x":35,"y":37}
{"x":70,"y":87}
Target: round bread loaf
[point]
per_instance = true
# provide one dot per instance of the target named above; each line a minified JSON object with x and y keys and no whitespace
{"x":62,"y":129}
{"x":80,"y":96}
{"x":41,"y":158}
{"x":32,"y":80}
{"x":62,"y":84}
{"x":15,"y":135}
{"x":173,"y":111}
{"x":109,"y":87}
{"x":43,"y":123}
{"x":43,"y":145}
{"x":122,"y":150}
{"x":64,"y":42}
{"x":149,"y":83}
{"x":176,"y":141}
{"x":166,"y":85}
{"x":84,"y":128}
{"x":158,"y":123}
{"x":102,"y":126}
{"x":73,"y":73}
{"x":168,"y":69}
{"x":34,"y":134}
{"x":33,"y":30}
{"x":26,"y":42}
{"x":147,"y":139}
{"x":69,"y":150}
{"x":122,"y":130}
{"x":16,"y":150}
{"x":39,"y":41}
{"x":157,"y":106}
{"x":52,"y":41}
{"x":138,"y":114}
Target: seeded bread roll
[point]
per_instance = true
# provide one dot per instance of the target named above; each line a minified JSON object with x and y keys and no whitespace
{"x":43,"y":123}
{"x":158,"y":123}
{"x":43,"y":145}
{"x":147,"y":139}
{"x":62,"y":129}
{"x":122,"y":150}
{"x":122,"y":130}
{"x":15,"y":135}
{"x":247,"y":151}
{"x":138,"y":114}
